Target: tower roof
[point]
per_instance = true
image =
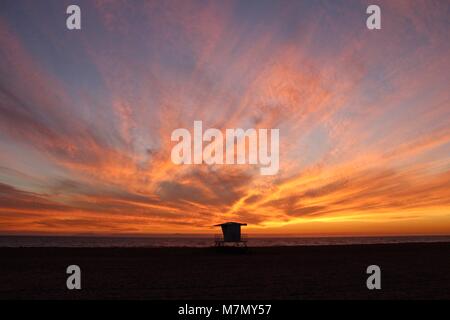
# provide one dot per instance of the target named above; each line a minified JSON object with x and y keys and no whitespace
{"x":230,"y":223}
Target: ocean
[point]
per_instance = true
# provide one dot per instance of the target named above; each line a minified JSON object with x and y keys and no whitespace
{"x":199,"y":242}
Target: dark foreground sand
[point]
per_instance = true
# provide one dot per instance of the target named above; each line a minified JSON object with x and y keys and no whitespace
{"x":409,"y":271}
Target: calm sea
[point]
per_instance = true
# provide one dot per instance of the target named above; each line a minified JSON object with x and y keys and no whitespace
{"x":45,"y":241}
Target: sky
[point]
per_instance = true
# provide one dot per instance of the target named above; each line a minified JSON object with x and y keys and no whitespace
{"x":86,"y":116}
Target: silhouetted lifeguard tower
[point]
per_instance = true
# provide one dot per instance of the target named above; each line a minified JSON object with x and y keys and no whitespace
{"x":231,"y":235}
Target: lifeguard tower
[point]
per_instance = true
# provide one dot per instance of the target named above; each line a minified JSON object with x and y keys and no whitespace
{"x":231,"y":235}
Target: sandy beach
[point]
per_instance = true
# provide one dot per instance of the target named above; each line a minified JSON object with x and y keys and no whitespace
{"x":409,"y":271}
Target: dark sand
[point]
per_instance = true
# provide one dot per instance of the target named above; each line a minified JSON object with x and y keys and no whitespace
{"x":409,"y":271}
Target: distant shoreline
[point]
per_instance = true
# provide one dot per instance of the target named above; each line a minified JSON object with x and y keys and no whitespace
{"x":248,"y":247}
{"x":202,"y":242}
{"x":188,"y":235}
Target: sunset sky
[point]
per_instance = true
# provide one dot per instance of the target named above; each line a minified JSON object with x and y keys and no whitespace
{"x":86,"y":116}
